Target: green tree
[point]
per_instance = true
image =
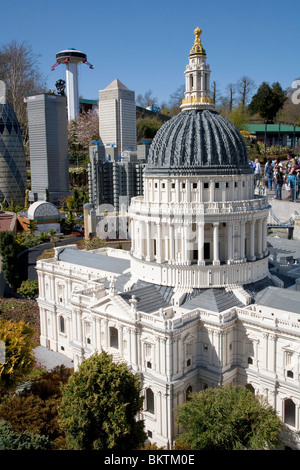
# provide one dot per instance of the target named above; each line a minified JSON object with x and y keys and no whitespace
{"x":11,"y":440}
{"x":146,"y":100}
{"x":17,"y":341}
{"x":268,"y":101}
{"x":99,"y":407}
{"x":176,"y":100}
{"x":36,"y":409}
{"x":228,"y":418}
{"x":19,"y":69}
{"x":31,"y":225}
{"x":9,"y":249}
{"x":244,"y":88}
{"x":29,"y":289}
{"x":92,"y":244}
{"x":239,"y":117}
{"x":147,"y":128}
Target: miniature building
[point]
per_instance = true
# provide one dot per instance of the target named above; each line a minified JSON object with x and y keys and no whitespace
{"x":45,"y":214}
{"x":193,"y":305}
{"x":117,"y":117}
{"x":114,"y":180}
{"x":12,"y":155}
{"x":48,"y":140}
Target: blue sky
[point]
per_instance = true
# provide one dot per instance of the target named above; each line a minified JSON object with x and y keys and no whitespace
{"x":146,"y":44}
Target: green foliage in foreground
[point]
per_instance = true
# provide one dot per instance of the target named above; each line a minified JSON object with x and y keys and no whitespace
{"x":11,"y":440}
{"x":29,"y":289}
{"x":99,"y":407}
{"x":35,"y":407}
{"x":17,"y":343}
{"x":228,"y":418}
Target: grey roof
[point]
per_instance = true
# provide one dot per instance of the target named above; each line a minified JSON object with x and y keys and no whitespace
{"x":282,"y":299}
{"x":94,"y":260}
{"x":254,"y":288}
{"x":149,"y":298}
{"x":120,"y":281}
{"x":284,"y":245}
{"x":198,"y":141}
{"x":216,"y":300}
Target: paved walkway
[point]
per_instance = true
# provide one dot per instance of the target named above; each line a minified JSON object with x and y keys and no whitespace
{"x":50,"y":359}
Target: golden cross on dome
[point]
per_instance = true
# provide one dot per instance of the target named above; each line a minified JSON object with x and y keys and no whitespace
{"x":197,"y":47}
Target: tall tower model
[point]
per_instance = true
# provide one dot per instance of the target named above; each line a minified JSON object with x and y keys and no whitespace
{"x":117,"y":117}
{"x":72,"y":58}
{"x":48,"y":140}
{"x":197,"y":78}
{"x":207,"y":227}
{"x":12,"y":155}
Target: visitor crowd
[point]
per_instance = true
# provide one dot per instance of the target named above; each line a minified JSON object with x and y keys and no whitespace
{"x":275,"y":174}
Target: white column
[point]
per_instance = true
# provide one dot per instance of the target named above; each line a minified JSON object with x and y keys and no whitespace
{"x":252,"y":241}
{"x":200,"y":227}
{"x":229,"y":242}
{"x":158,"y":242}
{"x":216,"y":260}
{"x":148,"y":241}
{"x":264,"y":237}
{"x":141,"y":240}
{"x":186,"y":244}
{"x":242,"y":241}
{"x":202,"y":81}
{"x":259,"y":239}
{"x":211,"y":191}
{"x":172,"y":243}
{"x":132,"y":236}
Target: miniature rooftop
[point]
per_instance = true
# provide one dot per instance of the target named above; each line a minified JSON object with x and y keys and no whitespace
{"x":151,"y":297}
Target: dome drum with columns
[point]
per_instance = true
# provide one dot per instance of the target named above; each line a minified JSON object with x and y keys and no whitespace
{"x":199,"y":223}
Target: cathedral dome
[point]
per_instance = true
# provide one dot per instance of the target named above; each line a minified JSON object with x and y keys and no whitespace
{"x":198,"y":141}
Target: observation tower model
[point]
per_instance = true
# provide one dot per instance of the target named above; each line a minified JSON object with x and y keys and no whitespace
{"x":71,"y":58}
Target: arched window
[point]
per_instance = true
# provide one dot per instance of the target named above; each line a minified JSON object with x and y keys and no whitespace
{"x":113,"y":337}
{"x":150,"y":400}
{"x":289,"y":412}
{"x":61,"y":324}
{"x":188,"y":392}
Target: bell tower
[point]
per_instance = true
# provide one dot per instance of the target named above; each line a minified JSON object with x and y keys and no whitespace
{"x":197,"y":78}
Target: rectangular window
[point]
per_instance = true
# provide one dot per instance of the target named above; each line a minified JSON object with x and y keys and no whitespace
{"x":206,"y":185}
{"x":288,"y":358}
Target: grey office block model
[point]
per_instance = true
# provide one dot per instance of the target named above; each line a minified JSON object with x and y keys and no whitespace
{"x":48,"y":140}
{"x":117,"y":117}
{"x":114,"y":181}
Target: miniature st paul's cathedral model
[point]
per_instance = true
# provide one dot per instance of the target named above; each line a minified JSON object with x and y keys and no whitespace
{"x":193,"y":304}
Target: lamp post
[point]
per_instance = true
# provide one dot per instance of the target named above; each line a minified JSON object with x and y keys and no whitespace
{"x":266,"y":124}
{"x":279,"y":139}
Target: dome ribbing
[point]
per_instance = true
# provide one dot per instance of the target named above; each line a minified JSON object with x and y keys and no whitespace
{"x":198,"y":141}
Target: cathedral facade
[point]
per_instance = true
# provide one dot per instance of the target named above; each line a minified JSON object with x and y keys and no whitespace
{"x":193,"y":304}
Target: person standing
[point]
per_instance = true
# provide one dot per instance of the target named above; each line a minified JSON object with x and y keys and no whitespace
{"x":278,"y":182}
{"x":292,"y":181}
{"x":257,"y":172}
{"x":269,"y":173}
